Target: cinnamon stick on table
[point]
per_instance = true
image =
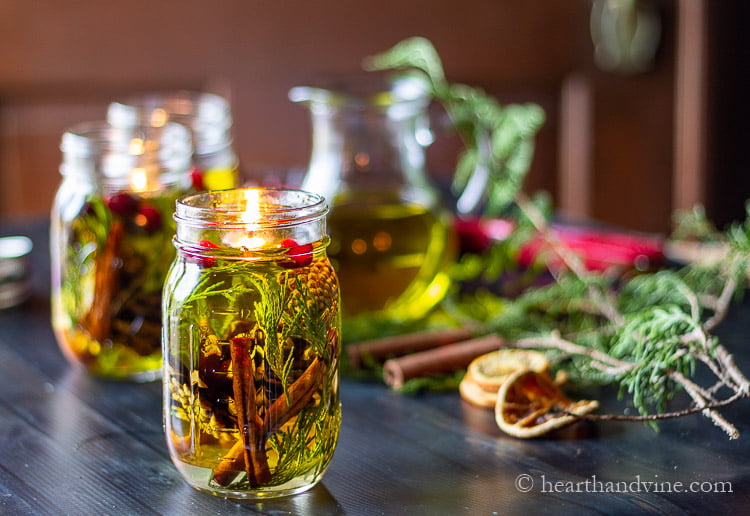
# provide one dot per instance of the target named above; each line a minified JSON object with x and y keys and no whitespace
{"x":444,"y":359}
{"x":380,"y":350}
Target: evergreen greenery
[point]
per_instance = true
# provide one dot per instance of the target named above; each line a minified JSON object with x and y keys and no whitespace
{"x":645,"y":334}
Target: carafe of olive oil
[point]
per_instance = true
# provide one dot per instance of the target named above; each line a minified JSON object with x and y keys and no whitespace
{"x":392,"y":239}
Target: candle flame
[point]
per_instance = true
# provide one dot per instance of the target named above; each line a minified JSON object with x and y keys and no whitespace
{"x":250,"y":216}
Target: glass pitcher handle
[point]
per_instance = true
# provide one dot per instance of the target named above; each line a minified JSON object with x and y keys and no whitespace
{"x":475,"y":190}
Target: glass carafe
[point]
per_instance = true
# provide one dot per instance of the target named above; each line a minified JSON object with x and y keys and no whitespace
{"x":392,"y":239}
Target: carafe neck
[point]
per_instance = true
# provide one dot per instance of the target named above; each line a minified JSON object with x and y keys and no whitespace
{"x":363,"y":142}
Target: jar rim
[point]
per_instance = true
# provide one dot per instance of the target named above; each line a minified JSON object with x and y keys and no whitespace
{"x":191,"y":108}
{"x":91,"y":138}
{"x":259,"y":207}
{"x":360,"y":93}
{"x":118,"y":156}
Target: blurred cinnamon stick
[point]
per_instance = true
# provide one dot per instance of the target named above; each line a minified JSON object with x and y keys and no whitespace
{"x":379,"y":350}
{"x":98,"y":320}
{"x":444,"y":359}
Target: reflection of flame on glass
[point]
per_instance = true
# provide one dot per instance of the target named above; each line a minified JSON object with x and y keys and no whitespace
{"x":359,"y":246}
{"x":361,"y":159}
{"x":158,"y":117}
{"x":137,"y":147}
{"x":382,"y":241}
{"x":138,"y":179}
{"x":252,"y":242}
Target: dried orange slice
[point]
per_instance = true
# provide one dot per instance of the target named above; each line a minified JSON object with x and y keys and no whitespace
{"x":474,"y":394}
{"x":529,"y":404}
{"x":491,"y":370}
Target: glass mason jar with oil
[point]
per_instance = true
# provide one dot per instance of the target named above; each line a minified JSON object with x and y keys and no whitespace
{"x":251,"y":343}
{"x":392,"y":238}
{"x":111,"y":232}
{"x":207,"y":116}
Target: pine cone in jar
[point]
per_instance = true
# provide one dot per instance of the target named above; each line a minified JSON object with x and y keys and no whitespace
{"x":314,"y":289}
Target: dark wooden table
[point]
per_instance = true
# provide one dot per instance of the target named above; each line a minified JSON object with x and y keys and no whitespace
{"x":71,"y":444}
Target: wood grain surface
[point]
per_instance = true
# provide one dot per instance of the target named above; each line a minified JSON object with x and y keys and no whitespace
{"x":71,"y":444}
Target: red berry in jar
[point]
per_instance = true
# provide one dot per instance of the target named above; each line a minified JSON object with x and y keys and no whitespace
{"x":299,"y":255}
{"x":122,"y":204}
{"x":149,"y":218}
{"x":196,"y":177}
{"x":204,"y":262}
{"x":87,"y":210}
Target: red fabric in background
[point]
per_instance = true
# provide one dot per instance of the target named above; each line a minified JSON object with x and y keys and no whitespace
{"x":599,"y":249}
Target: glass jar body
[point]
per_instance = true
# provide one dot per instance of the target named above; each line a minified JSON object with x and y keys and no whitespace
{"x":251,"y":355}
{"x":111,"y":231}
{"x":392,"y":238}
{"x":206,"y":115}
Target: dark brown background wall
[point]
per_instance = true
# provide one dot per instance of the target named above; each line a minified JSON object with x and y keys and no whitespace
{"x":608,"y":149}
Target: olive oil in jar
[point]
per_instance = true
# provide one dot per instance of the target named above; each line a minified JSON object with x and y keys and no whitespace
{"x":251,"y":401}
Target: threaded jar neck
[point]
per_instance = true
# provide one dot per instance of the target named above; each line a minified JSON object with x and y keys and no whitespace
{"x":259,"y":219}
{"x":208,"y":116}
{"x":138,"y":158}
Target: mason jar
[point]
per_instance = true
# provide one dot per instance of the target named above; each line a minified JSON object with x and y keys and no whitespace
{"x":208,"y":117}
{"x":251,"y":343}
{"x":111,"y":231}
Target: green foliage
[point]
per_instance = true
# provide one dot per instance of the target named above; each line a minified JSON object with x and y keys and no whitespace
{"x":693,"y":224}
{"x":738,"y":234}
{"x":644,"y":333}
{"x":437,"y":383}
{"x":499,"y":140}
{"x":413,"y":52}
{"x":269,"y":311}
{"x":665,"y":287}
{"x":652,"y":340}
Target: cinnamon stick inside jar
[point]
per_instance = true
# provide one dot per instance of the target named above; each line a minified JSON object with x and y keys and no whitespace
{"x":379,"y":350}
{"x":444,"y":359}
{"x":99,"y":319}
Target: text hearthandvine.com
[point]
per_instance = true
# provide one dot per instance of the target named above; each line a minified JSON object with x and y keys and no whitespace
{"x":526,"y":483}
